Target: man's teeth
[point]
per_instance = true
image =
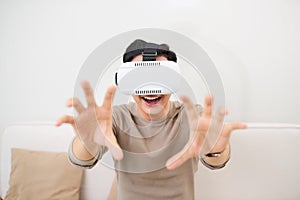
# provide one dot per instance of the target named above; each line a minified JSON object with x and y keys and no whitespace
{"x":151,"y":98}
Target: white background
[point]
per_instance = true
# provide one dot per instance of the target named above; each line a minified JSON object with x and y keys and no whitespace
{"x":255,"y":45}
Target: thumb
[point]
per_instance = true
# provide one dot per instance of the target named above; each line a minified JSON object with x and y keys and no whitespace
{"x":114,"y":148}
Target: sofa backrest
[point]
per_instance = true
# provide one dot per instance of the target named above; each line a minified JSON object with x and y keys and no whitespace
{"x":46,"y":137}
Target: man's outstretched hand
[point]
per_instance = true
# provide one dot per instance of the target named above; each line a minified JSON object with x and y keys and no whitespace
{"x":93,"y":124}
{"x":201,"y":129}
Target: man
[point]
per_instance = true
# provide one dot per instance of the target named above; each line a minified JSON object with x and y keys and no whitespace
{"x":159,"y":123}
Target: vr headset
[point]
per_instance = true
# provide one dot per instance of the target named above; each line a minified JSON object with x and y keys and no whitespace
{"x":148,"y":77}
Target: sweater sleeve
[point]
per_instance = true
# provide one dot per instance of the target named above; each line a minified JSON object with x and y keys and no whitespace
{"x":88,"y":164}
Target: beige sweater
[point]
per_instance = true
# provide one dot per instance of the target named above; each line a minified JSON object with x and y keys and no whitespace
{"x":147,"y":146}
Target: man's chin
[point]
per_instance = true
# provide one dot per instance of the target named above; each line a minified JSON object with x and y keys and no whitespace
{"x":154,"y":112}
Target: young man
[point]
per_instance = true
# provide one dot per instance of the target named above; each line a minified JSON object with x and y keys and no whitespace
{"x":150,"y":124}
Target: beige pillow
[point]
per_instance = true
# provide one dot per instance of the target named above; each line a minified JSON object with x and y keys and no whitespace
{"x":38,"y":175}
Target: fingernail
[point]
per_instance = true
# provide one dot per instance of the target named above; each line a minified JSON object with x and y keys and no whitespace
{"x":84,"y":83}
{"x":170,"y":166}
{"x":226,"y":111}
{"x":68,"y":103}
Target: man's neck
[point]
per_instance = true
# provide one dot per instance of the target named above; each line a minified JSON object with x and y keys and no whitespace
{"x":155,"y":116}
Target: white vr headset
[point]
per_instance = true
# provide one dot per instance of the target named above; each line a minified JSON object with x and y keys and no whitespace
{"x":148,"y":77}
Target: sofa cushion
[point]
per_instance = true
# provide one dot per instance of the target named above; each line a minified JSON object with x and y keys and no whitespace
{"x":42,"y":175}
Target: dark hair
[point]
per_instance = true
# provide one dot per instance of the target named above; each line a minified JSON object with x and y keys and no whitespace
{"x":138,"y":46}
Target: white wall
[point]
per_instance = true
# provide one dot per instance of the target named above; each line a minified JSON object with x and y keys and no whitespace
{"x":255,"y":45}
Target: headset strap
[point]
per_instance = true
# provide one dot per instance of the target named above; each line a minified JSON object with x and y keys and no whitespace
{"x":149,"y":54}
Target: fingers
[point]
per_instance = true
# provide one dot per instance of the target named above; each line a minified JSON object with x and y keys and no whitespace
{"x":191,"y":149}
{"x":88,"y":92}
{"x":109,"y":96}
{"x":113,"y":146}
{"x":225,"y":136}
{"x":177,"y":160}
{"x":190,"y":108}
{"x":238,"y":125}
{"x":110,"y":141}
{"x":208,"y":106}
{"x":66,"y":119}
{"x":228,"y":128}
{"x":214,"y":131}
{"x":216,"y":124}
{"x":74,"y":102}
{"x":218,"y":118}
{"x":115,"y":150}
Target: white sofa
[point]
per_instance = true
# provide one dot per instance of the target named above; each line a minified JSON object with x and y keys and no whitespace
{"x":264,"y":165}
{"x":47,"y":137}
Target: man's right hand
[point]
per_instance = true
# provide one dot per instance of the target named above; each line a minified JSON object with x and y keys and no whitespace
{"x":93,"y":125}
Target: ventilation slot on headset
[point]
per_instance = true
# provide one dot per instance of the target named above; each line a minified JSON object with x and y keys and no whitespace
{"x":146,"y":64}
{"x":148,"y":92}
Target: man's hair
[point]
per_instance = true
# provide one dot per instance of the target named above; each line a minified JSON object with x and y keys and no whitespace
{"x":138,"y":46}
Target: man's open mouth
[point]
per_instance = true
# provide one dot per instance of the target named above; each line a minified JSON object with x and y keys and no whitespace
{"x":151,"y":100}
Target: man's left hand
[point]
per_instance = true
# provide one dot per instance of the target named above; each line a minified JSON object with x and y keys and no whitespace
{"x":202,"y":128}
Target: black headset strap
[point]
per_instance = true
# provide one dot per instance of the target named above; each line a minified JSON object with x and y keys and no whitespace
{"x":149,"y":54}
